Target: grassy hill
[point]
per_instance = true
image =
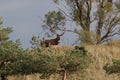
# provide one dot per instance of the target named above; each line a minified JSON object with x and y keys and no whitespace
{"x":101,"y":55}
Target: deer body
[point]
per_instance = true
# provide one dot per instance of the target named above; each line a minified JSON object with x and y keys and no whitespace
{"x":53,"y":42}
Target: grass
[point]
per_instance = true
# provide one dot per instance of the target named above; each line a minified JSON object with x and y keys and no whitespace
{"x":101,"y":54}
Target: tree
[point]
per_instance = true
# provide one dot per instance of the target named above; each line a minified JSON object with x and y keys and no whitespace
{"x":55,"y":20}
{"x":98,"y":19}
{"x":75,"y":60}
{"x":4,"y":32}
{"x":8,"y":52}
{"x":72,"y":61}
{"x":14,"y":59}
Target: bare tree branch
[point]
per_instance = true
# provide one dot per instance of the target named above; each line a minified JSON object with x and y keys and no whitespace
{"x":79,"y":7}
{"x":64,"y":12}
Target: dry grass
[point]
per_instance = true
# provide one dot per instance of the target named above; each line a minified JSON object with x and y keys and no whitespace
{"x":101,"y":54}
{"x":114,"y":43}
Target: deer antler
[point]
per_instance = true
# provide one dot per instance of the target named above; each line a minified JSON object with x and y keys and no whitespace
{"x":54,"y":41}
{"x":52,"y":29}
{"x":64,"y":29}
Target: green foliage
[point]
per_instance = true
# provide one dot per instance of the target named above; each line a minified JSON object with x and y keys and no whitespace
{"x":8,"y":51}
{"x":4,"y":32}
{"x":76,"y":18}
{"x":35,"y":41}
{"x":87,"y":37}
{"x":15,"y":60}
{"x":75,"y":60}
{"x":54,"y":21}
{"x":54,"y":18}
{"x":104,"y":14}
{"x":115,"y":68}
{"x":46,"y":63}
{"x":23,"y":64}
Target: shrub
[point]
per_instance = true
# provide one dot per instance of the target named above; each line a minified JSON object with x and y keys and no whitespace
{"x":114,"y":68}
{"x":75,"y":60}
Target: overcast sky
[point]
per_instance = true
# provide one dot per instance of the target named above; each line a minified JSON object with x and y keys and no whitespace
{"x":24,"y":16}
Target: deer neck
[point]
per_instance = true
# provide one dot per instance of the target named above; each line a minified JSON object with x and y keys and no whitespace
{"x":57,"y":38}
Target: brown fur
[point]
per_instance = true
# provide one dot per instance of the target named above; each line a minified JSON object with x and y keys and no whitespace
{"x":49,"y":42}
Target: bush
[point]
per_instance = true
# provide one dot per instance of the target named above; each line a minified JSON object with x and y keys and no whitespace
{"x":114,"y":68}
{"x":23,"y":62}
{"x":76,"y":59}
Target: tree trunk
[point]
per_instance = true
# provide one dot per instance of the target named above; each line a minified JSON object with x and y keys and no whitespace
{"x":64,"y":75}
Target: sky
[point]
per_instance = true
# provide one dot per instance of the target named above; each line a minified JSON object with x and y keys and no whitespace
{"x":25,"y":17}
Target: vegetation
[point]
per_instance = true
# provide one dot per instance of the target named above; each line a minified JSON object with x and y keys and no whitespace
{"x":14,"y":60}
{"x":97,"y":20}
{"x":75,"y":60}
{"x":115,"y":68}
{"x":101,"y":55}
{"x":91,"y":62}
{"x":69,"y":62}
{"x":8,"y":52}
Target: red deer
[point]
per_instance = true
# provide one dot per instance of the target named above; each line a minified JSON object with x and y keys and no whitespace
{"x":52,"y":42}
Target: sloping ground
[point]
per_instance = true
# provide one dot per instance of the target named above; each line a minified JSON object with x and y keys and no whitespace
{"x":101,"y":55}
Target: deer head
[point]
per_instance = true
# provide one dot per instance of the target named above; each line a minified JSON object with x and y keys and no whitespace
{"x":54,"y":41}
